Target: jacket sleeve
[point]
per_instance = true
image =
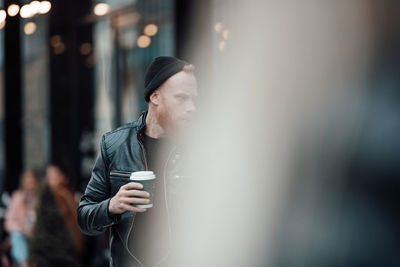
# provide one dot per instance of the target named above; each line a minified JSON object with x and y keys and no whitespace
{"x":93,"y":214}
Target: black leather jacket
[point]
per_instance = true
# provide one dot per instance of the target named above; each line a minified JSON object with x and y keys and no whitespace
{"x":121,"y":152}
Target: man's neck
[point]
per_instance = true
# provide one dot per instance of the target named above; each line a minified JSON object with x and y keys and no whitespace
{"x":153,"y":128}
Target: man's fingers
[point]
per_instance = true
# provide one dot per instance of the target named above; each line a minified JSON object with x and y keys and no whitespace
{"x":136,"y":209}
{"x":132,"y":185}
{"x":134,"y":200}
{"x":128,"y":207}
{"x":135,"y":193}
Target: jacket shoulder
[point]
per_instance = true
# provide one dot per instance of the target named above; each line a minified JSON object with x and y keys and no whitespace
{"x":112,"y":140}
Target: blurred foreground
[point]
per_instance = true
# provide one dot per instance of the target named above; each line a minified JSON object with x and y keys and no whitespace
{"x":295,"y":150}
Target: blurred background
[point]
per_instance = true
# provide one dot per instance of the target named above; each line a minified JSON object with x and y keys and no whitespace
{"x":76,"y":71}
{"x":299,"y":108}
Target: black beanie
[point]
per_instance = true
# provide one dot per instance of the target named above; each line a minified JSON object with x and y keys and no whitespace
{"x":159,"y":71}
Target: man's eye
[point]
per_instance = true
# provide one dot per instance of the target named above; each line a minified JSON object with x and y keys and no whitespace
{"x":182,"y":98}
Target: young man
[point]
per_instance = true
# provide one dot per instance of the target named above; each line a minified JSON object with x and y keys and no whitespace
{"x":140,"y":237}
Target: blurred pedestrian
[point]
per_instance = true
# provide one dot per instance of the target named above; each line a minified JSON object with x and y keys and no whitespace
{"x":56,"y":239}
{"x":60,"y":182}
{"x":20,"y":216}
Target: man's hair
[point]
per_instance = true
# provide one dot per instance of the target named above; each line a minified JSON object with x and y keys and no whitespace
{"x":188,"y":68}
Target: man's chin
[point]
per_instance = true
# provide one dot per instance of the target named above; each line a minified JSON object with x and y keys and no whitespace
{"x":183,"y":123}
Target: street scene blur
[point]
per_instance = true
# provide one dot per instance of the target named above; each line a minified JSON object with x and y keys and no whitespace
{"x":293,"y":152}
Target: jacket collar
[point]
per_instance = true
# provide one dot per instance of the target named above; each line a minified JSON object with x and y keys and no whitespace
{"x":142,"y":122}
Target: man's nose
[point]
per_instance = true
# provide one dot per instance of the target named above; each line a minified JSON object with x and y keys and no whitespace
{"x":191,"y":107}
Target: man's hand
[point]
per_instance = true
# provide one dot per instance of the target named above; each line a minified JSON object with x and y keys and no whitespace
{"x":127,"y":195}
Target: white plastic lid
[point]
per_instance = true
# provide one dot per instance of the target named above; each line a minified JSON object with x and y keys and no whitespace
{"x":142,"y":175}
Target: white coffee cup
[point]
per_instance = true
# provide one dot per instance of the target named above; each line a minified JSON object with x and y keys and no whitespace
{"x":147,"y":179}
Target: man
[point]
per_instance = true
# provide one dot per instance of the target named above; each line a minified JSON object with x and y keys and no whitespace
{"x":140,"y":237}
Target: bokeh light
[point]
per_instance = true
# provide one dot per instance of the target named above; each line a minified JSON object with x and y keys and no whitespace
{"x":55,"y":40}
{"x":26,"y":11}
{"x":30,"y":28}
{"x":44,"y":7}
{"x":35,"y":6}
{"x":143,"y":41}
{"x":59,"y":48}
{"x":85,"y":49}
{"x":226,"y":34}
{"x":218,"y":27}
{"x":101,"y":9}
{"x":3,"y":15}
{"x":13,"y":10}
{"x":222,"y":46}
{"x":2,"y":24}
{"x":150,"y":29}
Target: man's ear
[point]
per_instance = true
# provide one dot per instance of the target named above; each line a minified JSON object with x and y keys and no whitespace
{"x":155,"y":97}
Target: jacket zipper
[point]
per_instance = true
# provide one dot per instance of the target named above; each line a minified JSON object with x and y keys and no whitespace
{"x":166,"y":205}
{"x":143,"y":153}
{"x":130,"y":229}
